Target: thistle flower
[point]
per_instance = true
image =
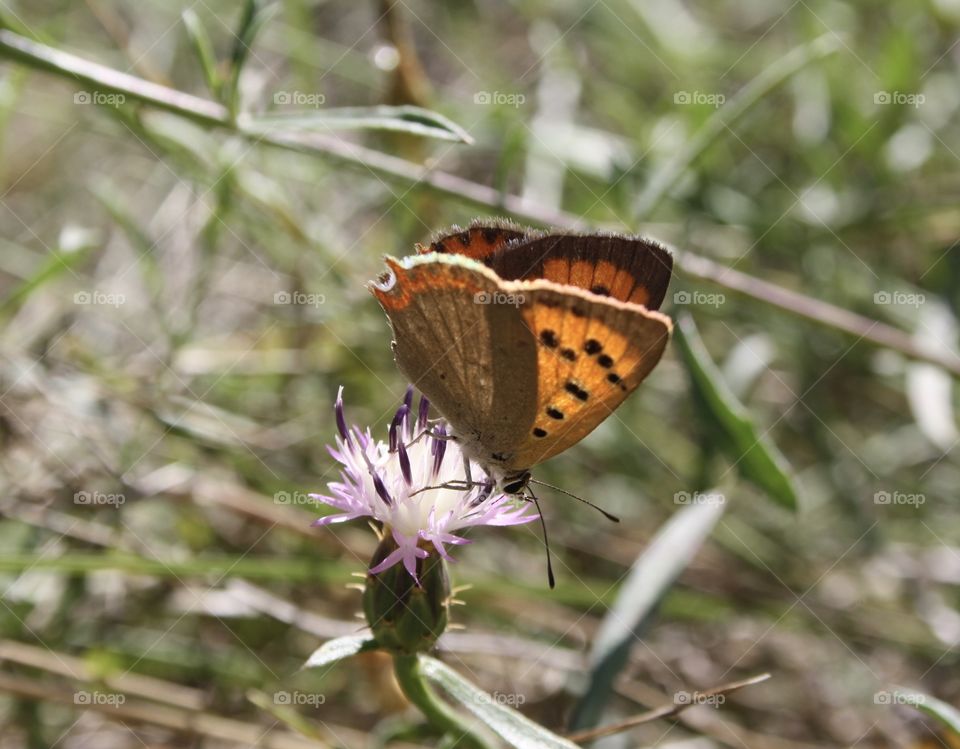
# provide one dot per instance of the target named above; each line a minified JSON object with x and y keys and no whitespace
{"x":414,"y":485}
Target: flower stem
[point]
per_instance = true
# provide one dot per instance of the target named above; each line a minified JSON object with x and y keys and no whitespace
{"x":442,"y":717}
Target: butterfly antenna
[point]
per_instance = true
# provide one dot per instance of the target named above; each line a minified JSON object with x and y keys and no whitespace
{"x":598,"y":508}
{"x":546,"y":541}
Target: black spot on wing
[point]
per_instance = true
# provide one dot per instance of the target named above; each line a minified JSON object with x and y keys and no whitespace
{"x":490,"y":234}
{"x":549,"y":338}
{"x":576,"y":391}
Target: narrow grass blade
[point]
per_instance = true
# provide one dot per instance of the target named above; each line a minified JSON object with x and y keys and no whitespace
{"x":255,"y":15}
{"x":757,"y":458}
{"x":336,"y":650}
{"x":203,"y":47}
{"x":63,"y":260}
{"x":510,"y":725}
{"x":406,"y":119}
{"x":945,"y":713}
{"x":649,"y":581}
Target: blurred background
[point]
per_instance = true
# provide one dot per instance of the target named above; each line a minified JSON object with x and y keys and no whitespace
{"x":182,"y":293}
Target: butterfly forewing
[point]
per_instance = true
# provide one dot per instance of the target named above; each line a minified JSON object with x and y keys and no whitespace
{"x":461,"y":343}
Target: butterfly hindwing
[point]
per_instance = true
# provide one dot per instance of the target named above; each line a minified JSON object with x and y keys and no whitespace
{"x":478,"y":242}
{"x":628,"y":269}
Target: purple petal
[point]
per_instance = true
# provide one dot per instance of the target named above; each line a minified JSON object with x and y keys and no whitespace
{"x":331,"y":519}
{"x":438,"y":448}
{"x":341,"y":420}
{"x":391,"y":559}
{"x":423,"y":413}
{"x":402,"y":413}
{"x":438,"y":545}
{"x":405,"y":464}
{"x":382,"y":490}
{"x":411,"y":553}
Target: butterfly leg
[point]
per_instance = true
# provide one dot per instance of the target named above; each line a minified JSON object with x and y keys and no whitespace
{"x":460,"y":486}
{"x":466,"y":470}
{"x":435,"y":435}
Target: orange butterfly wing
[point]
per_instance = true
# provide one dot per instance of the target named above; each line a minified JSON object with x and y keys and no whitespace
{"x":628,"y":269}
{"x":592,"y":354}
{"x":585,"y":301}
{"x":478,"y":242}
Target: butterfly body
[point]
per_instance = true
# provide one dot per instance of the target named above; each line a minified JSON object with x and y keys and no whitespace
{"x":525,"y":342}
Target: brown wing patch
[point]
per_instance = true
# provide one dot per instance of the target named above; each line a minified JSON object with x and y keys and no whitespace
{"x":627,"y":269}
{"x":616,"y":346}
{"x":479,"y":241}
{"x":460,"y":340}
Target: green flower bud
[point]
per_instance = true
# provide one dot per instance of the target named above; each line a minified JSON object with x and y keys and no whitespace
{"x":407,"y":615}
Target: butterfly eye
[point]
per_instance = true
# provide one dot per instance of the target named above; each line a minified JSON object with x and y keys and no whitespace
{"x":516,"y":484}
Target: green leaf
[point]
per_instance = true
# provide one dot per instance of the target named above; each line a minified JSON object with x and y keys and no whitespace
{"x":945,"y":713}
{"x":511,"y":726}
{"x":757,"y":458}
{"x":406,"y":119}
{"x":76,"y":245}
{"x":342,"y":647}
{"x":203,"y":48}
{"x":255,"y":15}
{"x":654,"y":572}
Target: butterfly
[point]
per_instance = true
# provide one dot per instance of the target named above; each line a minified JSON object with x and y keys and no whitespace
{"x":526,"y":341}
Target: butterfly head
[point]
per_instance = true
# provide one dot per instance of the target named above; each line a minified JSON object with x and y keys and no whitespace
{"x":515,"y":483}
